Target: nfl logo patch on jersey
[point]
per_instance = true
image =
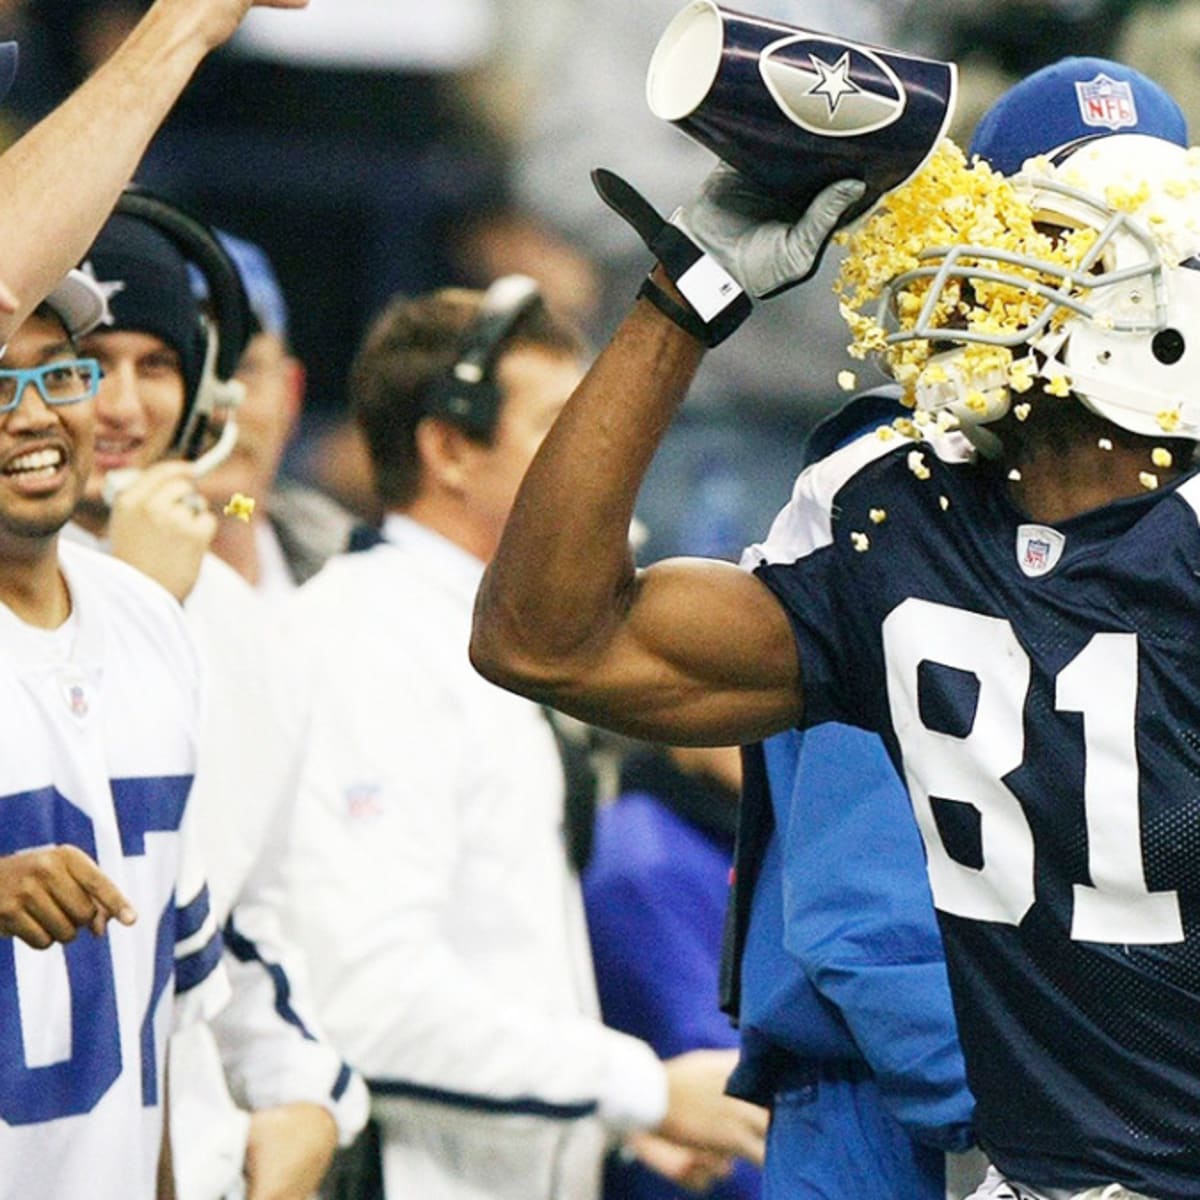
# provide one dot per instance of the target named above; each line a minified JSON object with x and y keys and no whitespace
{"x":74,"y":692}
{"x":1106,"y":103}
{"x":1038,"y":549}
{"x":364,"y":801}
{"x":832,"y":88}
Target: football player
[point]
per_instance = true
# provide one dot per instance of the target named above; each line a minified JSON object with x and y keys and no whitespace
{"x":1008,"y":600}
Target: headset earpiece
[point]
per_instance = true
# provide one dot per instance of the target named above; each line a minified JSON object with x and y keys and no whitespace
{"x":466,"y":394}
{"x":224,"y":335}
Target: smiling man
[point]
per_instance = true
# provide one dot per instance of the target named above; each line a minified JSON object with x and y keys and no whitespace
{"x":295,"y":1095}
{"x":99,"y":686}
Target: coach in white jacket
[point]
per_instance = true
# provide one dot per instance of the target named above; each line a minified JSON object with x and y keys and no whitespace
{"x":427,"y":876}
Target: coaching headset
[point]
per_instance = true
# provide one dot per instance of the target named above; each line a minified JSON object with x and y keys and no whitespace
{"x":466,"y":393}
{"x":220,"y":334}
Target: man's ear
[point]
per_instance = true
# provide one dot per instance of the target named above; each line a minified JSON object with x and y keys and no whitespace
{"x":446,"y":453}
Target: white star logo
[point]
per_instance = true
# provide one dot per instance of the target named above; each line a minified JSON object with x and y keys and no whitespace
{"x":835,"y":81}
{"x":109,"y":288}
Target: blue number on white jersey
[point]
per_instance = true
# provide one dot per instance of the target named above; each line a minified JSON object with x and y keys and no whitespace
{"x":74,"y":1084}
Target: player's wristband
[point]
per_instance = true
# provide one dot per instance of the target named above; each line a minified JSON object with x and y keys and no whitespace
{"x":684,"y":317}
{"x":717,"y":300}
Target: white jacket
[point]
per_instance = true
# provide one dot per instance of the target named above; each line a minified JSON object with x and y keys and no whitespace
{"x":428,"y":882}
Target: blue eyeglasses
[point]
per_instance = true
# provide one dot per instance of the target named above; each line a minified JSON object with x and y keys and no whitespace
{"x":66,"y":381}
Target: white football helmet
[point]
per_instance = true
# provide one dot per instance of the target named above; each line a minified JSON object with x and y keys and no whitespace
{"x":1121,"y":329}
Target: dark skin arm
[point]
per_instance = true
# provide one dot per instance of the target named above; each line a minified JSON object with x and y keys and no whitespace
{"x":687,"y":651}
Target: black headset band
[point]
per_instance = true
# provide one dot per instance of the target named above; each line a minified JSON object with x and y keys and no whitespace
{"x":466,"y":392}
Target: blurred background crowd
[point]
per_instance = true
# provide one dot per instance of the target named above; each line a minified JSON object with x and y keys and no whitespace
{"x":376,"y":146}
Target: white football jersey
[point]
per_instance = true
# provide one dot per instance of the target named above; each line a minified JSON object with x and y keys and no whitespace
{"x":100,"y":720}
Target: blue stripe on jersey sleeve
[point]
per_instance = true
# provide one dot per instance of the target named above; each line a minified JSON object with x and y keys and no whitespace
{"x":153,"y":804}
{"x":342,"y":1082}
{"x":190,"y":919}
{"x":193,"y":969}
{"x":246,"y":951}
{"x":517,"y":1105}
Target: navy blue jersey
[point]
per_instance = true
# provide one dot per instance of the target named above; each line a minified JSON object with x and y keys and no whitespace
{"x":1039,"y":689}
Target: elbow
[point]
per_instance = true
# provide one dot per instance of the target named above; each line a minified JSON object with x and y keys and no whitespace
{"x":498,"y":653}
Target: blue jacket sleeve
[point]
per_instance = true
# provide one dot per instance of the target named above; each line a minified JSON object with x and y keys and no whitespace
{"x":859,"y":917}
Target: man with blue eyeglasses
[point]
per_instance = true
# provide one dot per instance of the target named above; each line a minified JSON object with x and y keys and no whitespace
{"x":99,"y":700}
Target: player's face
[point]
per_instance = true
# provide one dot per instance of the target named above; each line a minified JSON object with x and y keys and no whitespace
{"x":45,"y":451}
{"x":274,"y":381}
{"x":139,"y":404}
{"x":535,"y":386}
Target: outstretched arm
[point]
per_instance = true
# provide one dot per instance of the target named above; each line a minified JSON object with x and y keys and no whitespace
{"x":687,"y":651}
{"x":60,"y":181}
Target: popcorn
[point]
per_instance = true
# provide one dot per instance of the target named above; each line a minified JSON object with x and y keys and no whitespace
{"x":950,"y":203}
{"x":1014,"y":475}
{"x":1105,"y":443}
{"x":1161,"y":457}
{"x":1057,"y":385}
{"x":1148,"y":480}
{"x":916,"y":464}
{"x":239,"y":506}
{"x":860,"y":542}
{"x":885,"y":433}
{"x":878,"y":516}
{"x":944,"y":503}
{"x":1168,"y":420}
{"x":1022,"y":411}
{"x":847,"y":381}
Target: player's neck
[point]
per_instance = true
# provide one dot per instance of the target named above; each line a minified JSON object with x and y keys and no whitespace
{"x":32,"y":584}
{"x":1054,"y":483}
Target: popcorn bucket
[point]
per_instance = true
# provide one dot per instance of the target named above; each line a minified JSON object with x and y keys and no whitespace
{"x":796,"y":110}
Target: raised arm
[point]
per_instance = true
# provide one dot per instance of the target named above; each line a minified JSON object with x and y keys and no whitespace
{"x":59,"y":182}
{"x":687,"y":650}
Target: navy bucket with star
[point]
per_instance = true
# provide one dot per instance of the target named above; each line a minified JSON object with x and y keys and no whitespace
{"x":796,"y":110}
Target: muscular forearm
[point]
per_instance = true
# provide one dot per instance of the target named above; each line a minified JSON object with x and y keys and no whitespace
{"x":559,"y":579}
{"x":61,"y":180}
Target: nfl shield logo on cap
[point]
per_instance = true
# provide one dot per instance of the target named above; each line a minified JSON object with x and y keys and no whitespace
{"x":1107,"y":103}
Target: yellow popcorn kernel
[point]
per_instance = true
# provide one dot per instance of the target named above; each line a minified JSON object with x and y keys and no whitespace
{"x":885,"y":433}
{"x":1148,"y":480}
{"x":1161,"y":457}
{"x":1022,"y":411}
{"x":1105,"y":443}
{"x":847,"y":381}
{"x":976,"y":402}
{"x":922,"y":417}
{"x":239,"y":506}
{"x":1021,"y":374}
{"x":944,"y":502}
{"x":1014,"y":475}
{"x":935,"y":373}
{"x":906,"y":428}
{"x":878,"y":516}
{"x":946,"y":421}
{"x":860,"y":542}
{"x":1168,"y":420}
{"x":1057,"y":385}
{"x":916,"y":464}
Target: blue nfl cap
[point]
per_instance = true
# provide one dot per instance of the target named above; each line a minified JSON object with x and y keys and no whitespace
{"x":258,"y":278}
{"x":8,"y":66}
{"x":1069,"y":101}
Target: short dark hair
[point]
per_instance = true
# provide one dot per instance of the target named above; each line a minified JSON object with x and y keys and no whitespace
{"x":409,"y":345}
